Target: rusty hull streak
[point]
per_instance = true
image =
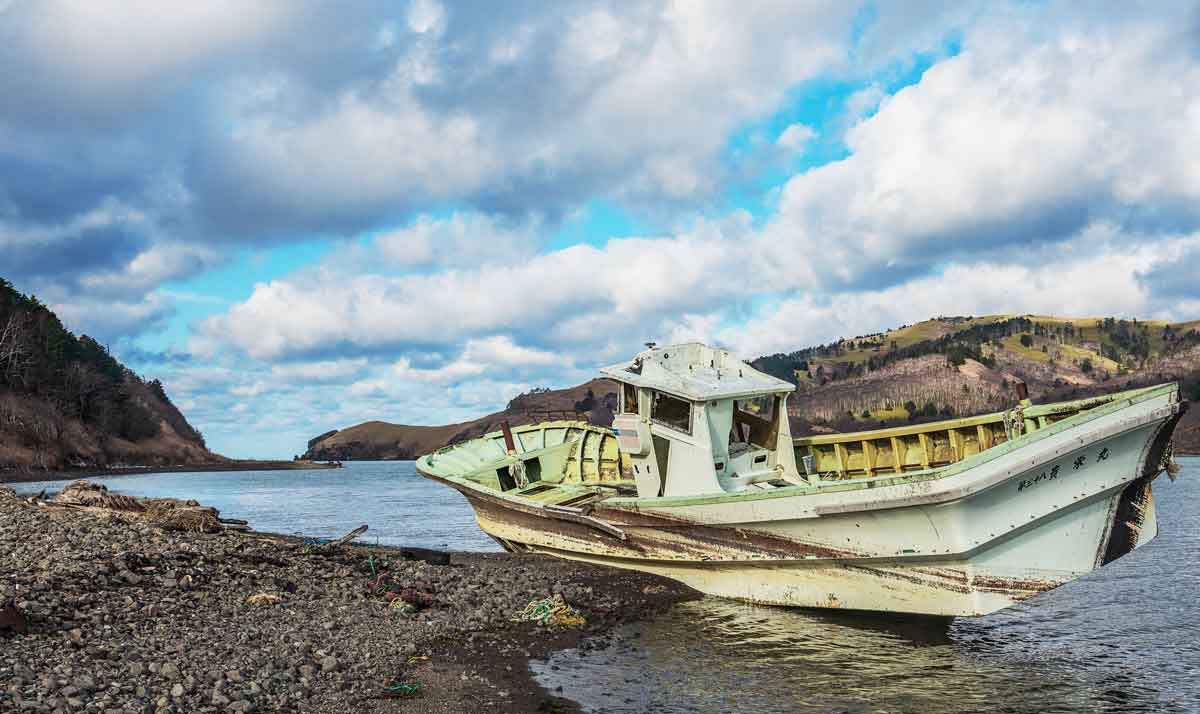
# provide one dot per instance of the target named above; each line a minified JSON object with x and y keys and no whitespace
{"x":673,"y":540}
{"x":960,"y":582}
{"x":765,"y":544}
{"x":1015,"y":588}
{"x":695,"y":545}
{"x":953,"y":586}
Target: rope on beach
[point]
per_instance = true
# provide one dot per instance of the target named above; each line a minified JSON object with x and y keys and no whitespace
{"x":552,"y":610}
{"x":403,"y":606}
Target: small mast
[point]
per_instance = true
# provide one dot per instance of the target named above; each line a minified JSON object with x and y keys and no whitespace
{"x":695,"y":419}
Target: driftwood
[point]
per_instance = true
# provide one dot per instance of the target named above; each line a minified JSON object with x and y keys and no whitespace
{"x":433,"y":557}
{"x":168,"y":513}
{"x":349,"y":536}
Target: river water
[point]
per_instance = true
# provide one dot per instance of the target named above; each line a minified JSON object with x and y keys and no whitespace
{"x":1123,"y":639}
{"x":401,"y":507}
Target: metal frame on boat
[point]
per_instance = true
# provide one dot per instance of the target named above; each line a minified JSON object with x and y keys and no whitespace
{"x":698,"y":480}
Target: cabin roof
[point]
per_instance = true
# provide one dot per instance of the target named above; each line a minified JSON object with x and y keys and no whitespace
{"x":696,"y":372}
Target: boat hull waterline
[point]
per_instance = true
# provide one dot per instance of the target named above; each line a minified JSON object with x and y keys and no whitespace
{"x":985,"y":533}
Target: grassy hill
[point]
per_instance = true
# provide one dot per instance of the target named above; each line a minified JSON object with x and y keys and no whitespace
{"x":593,"y":401}
{"x":960,"y":366}
{"x":66,"y":403}
{"x":939,"y":368}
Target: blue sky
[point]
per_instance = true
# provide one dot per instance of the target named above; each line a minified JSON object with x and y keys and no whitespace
{"x":303,"y":215}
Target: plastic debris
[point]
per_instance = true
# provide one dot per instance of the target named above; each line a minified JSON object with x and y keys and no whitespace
{"x":309,"y":545}
{"x":551,"y":611}
{"x":402,"y":690}
{"x":264,"y":599}
{"x":419,"y":594}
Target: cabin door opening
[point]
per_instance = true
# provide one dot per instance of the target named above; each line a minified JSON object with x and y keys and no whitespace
{"x":662,"y":454}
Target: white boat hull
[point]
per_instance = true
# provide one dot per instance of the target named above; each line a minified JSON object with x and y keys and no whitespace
{"x":989,"y":531}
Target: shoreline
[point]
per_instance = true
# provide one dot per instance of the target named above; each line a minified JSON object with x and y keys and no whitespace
{"x":112,"y":600}
{"x":25,"y":475}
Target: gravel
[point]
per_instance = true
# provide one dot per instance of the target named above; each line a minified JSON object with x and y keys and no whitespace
{"x":126,"y":617}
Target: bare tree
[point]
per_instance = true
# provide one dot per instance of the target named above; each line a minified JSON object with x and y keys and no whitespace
{"x":83,"y":389}
{"x":16,"y":357}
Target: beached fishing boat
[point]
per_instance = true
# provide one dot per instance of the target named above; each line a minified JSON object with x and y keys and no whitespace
{"x":700,"y":480}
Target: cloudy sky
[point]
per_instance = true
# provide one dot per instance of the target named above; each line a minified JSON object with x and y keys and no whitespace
{"x":303,"y":215}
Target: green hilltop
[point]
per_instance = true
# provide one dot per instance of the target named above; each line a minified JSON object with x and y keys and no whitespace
{"x":961,"y":366}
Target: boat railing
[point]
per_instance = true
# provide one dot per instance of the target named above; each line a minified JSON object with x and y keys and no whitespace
{"x":919,"y":447}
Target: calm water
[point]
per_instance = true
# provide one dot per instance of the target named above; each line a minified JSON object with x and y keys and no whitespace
{"x":1124,"y":639}
{"x":401,"y":507}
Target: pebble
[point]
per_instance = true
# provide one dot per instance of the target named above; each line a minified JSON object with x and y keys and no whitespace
{"x":137,"y":620}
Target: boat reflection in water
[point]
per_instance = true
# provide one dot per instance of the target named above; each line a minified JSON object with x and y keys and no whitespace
{"x":1123,"y":639}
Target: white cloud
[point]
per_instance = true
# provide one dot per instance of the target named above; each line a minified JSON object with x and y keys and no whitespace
{"x":492,"y":355}
{"x":322,"y":371}
{"x":425,"y":16}
{"x":795,"y":137}
{"x":458,"y":241}
{"x":110,"y":212}
{"x":1051,"y":166}
{"x":637,"y":100}
{"x":863,"y":103}
{"x":106,"y":319}
{"x":501,"y":350}
{"x":158,"y":263}
{"x":629,"y":281}
{"x":1098,"y":273}
{"x":90,"y":51}
{"x":1020,"y":138}
{"x":387,"y":152}
{"x":254,"y":389}
{"x":453,"y":372}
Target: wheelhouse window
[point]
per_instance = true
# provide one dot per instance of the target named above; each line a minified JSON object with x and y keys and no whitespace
{"x":671,"y":411}
{"x":629,"y":399}
{"x":755,"y":421}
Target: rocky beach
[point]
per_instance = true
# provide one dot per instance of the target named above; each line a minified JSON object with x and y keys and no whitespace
{"x":111,"y":612}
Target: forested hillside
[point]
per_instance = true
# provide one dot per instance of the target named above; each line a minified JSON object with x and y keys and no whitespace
{"x":961,"y":366}
{"x":65,"y":402}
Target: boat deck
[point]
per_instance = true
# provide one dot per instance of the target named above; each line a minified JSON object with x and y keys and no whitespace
{"x":575,"y":464}
{"x":920,"y":447}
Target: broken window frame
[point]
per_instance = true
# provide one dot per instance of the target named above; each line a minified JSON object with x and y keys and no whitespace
{"x":763,"y":430}
{"x":655,"y":412}
{"x":629,"y":391}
